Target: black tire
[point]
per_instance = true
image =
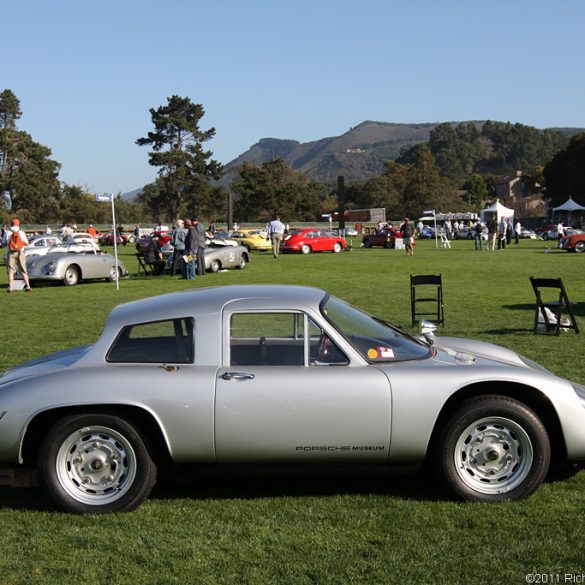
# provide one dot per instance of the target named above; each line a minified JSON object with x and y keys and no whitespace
{"x":388,"y":244}
{"x":545,"y":236}
{"x":112,"y":276}
{"x":336,"y":248}
{"x":215,"y":266}
{"x":493,"y":448}
{"x":305,"y":249}
{"x":95,"y":463}
{"x":580,"y":247}
{"x":71,"y":276}
{"x":242,"y":263}
{"x":367,"y":244}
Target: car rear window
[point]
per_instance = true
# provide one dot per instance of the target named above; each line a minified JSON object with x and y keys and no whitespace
{"x":155,"y":342}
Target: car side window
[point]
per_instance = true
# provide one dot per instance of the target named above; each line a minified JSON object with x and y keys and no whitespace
{"x":266,"y":339}
{"x":155,"y":343}
{"x":278,"y":339}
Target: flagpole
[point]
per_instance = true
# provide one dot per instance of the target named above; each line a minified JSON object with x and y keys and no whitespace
{"x":115,"y":242}
{"x":110,"y":197}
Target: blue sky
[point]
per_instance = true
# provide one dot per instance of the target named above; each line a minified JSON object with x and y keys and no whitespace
{"x":87,"y":72}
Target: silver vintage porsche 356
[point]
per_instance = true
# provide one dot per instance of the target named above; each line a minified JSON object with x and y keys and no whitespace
{"x":274,"y":373}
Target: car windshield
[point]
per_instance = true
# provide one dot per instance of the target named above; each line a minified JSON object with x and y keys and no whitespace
{"x":375,"y":340}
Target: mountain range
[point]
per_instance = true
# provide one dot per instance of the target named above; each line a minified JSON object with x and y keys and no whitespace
{"x":357,"y":154}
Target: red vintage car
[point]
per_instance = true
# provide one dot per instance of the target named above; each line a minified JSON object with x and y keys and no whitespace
{"x":108,"y":239}
{"x":306,"y":240}
{"x":573,"y":243}
{"x":385,"y":238}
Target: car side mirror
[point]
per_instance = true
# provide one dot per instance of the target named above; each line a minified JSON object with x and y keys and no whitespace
{"x":427,"y":329}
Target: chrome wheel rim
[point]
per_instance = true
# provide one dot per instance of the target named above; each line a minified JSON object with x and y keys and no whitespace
{"x":96,"y":465}
{"x":71,"y":275}
{"x":493,"y":455}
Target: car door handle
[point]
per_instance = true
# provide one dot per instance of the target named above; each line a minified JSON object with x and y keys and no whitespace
{"x":237,"y":376}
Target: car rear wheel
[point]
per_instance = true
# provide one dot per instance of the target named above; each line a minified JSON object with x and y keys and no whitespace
{"x":367,"y":244}
{"x":305,"y":249}
{"x":95,"y":463}
{"x":545,"y":237}
{"x":336,"y":248}
{"x":493,"y":448}
{"x":580,"y":247}
{"x":215,"y":266}
{"x":71,"y":277}
{"x":388,"y":244}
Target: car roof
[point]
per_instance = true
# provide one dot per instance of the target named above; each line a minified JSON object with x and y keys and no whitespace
{"x":213,"y":299}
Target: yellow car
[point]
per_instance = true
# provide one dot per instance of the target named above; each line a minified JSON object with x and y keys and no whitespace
{"x":253,"y":239}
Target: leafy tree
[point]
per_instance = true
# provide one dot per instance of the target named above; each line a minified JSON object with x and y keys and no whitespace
{"x":477,"y":191}
{"x":386,"y":190}
{"x":77,"y":206}
{"x":274,"y":188}
{"x":26,"y":169}
{"x":185,"y":168}
{"x":426,"y":189}
{"x":565,"y":173}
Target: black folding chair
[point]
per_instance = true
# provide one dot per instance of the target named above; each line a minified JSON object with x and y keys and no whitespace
{"x":560,"y":306}
{"x":428,"y":302}
{"x":143,"y":267}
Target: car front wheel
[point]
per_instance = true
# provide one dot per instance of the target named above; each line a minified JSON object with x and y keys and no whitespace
{"x":215,"y":266}
{"x":336,"y":248}
{"x":71,"y":277}
{"x":493,"y":448}
{"x":580,"y":247}
{"x":95,"y":463}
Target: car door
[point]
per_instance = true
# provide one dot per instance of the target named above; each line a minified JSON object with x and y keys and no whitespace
{"x":287,"y":391}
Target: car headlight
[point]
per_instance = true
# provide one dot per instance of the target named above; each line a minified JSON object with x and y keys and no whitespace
{"x":51,"y":267}
{"x":579,"y":391}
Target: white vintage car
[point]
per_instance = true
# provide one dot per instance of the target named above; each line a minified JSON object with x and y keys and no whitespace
{"x":289,"y":374}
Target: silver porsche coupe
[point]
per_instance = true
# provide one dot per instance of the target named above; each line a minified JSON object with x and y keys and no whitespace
{"x":73,"y":263}
{"x":276,"y":373}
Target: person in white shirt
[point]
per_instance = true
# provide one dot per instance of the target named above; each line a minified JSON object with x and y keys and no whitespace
{"x":15,"y":240}
{"x":276,"y":232}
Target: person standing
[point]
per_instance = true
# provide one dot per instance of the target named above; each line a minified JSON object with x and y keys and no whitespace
{"x":448,"y":229}
{"x":190,"y":250}
{"x":15,"y":240}
{"x":201,"y":244}
{"x":492,"y":226}
{"x":509,"y":231}
{"x":517,"y":229}
{"x":502,"y":230}
{"x":276,"y":232}
{"x":178,"y":241}
{"x":478,"y":235}
{"x":407,"y":232}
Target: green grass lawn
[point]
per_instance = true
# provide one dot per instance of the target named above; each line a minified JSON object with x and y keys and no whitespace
{"x":317,"y":529}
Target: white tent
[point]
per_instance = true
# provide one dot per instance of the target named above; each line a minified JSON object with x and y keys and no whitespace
{"x":497,"y":208}
{"x":569,"y":205}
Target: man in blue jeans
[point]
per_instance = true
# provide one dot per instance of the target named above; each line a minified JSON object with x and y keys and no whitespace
{"x":190,"y":250}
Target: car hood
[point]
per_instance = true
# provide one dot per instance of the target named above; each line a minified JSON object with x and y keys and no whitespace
{"x":45,"y":364}
{"x":472,"y":350}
